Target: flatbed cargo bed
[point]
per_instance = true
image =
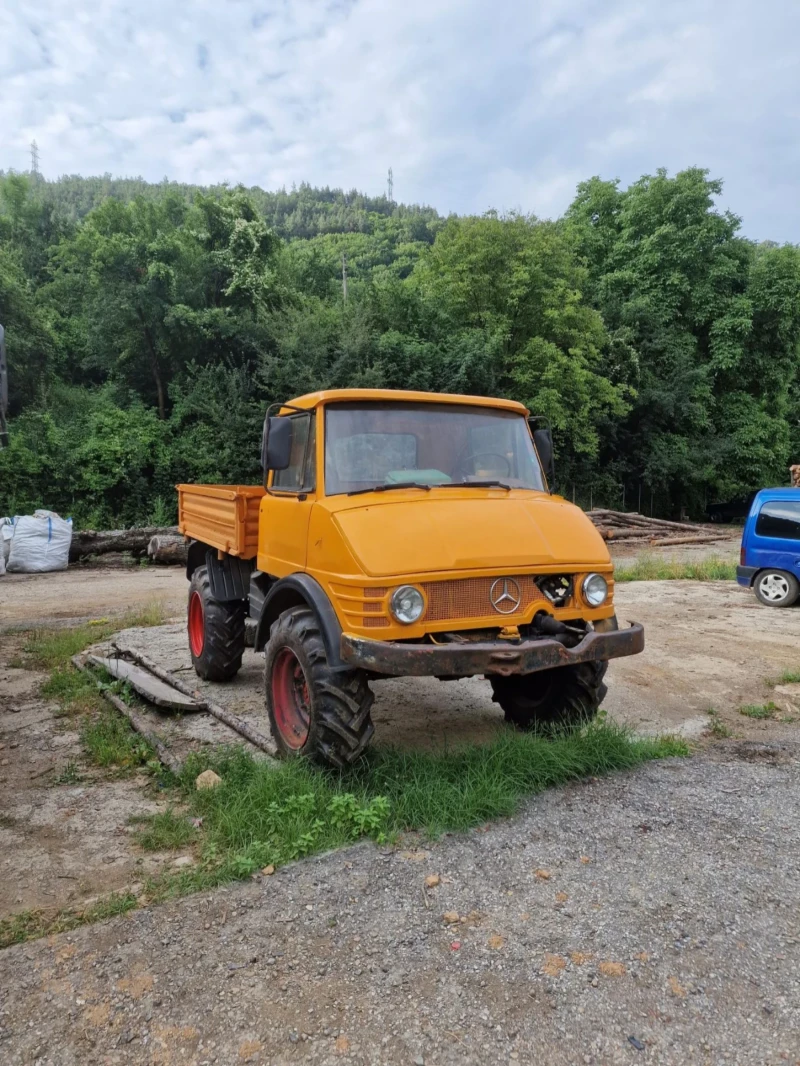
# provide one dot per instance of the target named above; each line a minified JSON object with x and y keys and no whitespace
{"x":222,"y":516}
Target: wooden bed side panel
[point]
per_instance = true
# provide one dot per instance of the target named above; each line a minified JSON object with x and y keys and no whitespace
{"x":224,"y":516}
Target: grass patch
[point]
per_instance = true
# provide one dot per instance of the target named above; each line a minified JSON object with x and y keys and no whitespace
{"x":165,"y":831}
{"x":648,"y":567}
{"x":28,"y":925}
{"x":264,"y":816}
{"x":109,"y":740}
{"x":788,"y":677}
{"x":73,"y":691}
{"x":759,"y":710}
{"x":51,"y":649}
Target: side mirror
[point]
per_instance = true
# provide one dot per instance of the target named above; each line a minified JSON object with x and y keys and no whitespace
{"x":276,"y":443}
{"x":543,"y":440}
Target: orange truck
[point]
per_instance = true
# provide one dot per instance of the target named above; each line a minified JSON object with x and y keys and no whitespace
{"x":399,"y":534}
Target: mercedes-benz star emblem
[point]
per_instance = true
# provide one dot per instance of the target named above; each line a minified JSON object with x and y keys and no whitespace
{"x":505,"y":595}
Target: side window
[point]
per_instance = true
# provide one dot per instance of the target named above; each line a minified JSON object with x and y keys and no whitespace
{"x":300,"y":474}
{"x":779,"y":518}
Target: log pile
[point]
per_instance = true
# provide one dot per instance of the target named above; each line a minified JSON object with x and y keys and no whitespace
{"x":637,"y":529}
{"x":100,"y":542}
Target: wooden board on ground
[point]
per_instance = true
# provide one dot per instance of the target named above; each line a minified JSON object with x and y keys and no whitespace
{"x":152,"y":688}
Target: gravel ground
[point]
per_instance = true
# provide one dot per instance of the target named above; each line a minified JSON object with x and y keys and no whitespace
{"x":649,"y":917}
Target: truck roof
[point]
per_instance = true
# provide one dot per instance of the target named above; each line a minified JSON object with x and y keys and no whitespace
{"x":314,"y":399}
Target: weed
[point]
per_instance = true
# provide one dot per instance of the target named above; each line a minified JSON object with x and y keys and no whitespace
{"x":649,"y":567}
{"x":109,"y":740}
{"x":759,"y":710}
{"x":717,"y":728}
{"x":28,"y":925}
{"x":788,"y":677}
{"x":165,"y":831}
{"x":69,"y":775}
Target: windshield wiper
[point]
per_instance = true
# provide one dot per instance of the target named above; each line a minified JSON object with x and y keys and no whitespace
{"x":474,"y":485}
{"x":395,"y":485}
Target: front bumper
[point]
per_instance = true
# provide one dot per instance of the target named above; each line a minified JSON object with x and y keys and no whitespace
{"x":500,"y":657}
{"x":745,"y":575}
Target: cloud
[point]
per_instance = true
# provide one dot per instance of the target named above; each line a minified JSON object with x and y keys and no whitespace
{"x":474,"y":105}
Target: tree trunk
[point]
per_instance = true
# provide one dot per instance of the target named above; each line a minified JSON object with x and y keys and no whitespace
{"x":155,"y":369}
{"x":168,"y":549}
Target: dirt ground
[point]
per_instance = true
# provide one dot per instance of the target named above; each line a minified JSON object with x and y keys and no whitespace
{"x":692,"y":868}
{"x":708,"y":646}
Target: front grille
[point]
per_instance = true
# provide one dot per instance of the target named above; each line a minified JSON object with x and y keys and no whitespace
{"x":374,"y":621}
{"x":471,"y":597}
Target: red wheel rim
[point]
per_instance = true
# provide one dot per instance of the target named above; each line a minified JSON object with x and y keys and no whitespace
{"x":291,"y":703}
{"x":197,"y":632}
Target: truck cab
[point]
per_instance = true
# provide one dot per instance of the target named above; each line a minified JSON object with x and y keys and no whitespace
{"x":770,"y":553}
{"x":401,"y":533}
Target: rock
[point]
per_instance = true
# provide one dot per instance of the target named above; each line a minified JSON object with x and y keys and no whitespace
{"x":432,"y":880}
{"x":543,"y":875}
{"x":451,"y":917}
{"x":268,"y":871}
{"x":208,"y":779}
{"x":183,"y":860}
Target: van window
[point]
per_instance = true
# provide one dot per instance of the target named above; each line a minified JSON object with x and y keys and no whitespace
{"x":779,"y":518}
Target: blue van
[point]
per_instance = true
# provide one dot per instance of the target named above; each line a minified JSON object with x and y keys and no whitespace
{"x":770,"y":557}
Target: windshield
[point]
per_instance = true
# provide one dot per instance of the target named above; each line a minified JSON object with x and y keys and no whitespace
{"x":370,"y":445}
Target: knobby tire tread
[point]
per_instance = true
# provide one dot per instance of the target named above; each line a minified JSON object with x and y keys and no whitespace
{"x":341,"y":725}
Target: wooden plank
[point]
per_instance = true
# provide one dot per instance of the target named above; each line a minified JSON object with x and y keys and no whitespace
{"x":155,"y":741}
{"x":152,"y":688}
{"x":233,"y":721}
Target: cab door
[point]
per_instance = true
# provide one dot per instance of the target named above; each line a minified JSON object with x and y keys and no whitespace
{"x":775,"y":542}
{"x":285,"y":510}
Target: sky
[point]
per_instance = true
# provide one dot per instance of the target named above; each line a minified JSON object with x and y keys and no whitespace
{"x":474,"y":104}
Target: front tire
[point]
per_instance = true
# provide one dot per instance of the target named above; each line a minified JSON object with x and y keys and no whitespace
{"x":776,"y":588}
{"x":314,"y":711}
{"x":564,"y":698}
{"x":215,"y":629}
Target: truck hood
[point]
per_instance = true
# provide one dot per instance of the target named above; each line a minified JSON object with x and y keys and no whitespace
{"x":488,"y":532}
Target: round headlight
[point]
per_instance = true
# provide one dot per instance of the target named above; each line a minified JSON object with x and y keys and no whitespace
{"x":595,"y":589}
{"x":407,"y":604}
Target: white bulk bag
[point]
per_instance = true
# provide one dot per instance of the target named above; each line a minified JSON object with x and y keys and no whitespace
{"x":6,"y":533}
{"x":40,"y":543}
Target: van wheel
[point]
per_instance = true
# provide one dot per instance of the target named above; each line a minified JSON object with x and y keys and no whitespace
{"x":314,"y":711}
{"x":216,"y":631}
{"x":566,"y":697}
{"x":776,"y":588}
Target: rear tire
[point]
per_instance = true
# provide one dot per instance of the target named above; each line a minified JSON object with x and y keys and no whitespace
{"x":565,"y":698}
{"x":314,"y":711}
{"x":216,"y":631}
{"x":776,"y":588}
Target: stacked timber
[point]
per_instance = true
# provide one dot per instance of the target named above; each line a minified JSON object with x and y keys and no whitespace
{"x":632,"y":528}
{"x":101,"y":542}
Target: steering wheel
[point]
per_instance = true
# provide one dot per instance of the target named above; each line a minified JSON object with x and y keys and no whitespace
{"x":482,"y":455}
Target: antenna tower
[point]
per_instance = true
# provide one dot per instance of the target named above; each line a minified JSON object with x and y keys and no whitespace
{"x":390,"y":185}
{"x":34,"y":157}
